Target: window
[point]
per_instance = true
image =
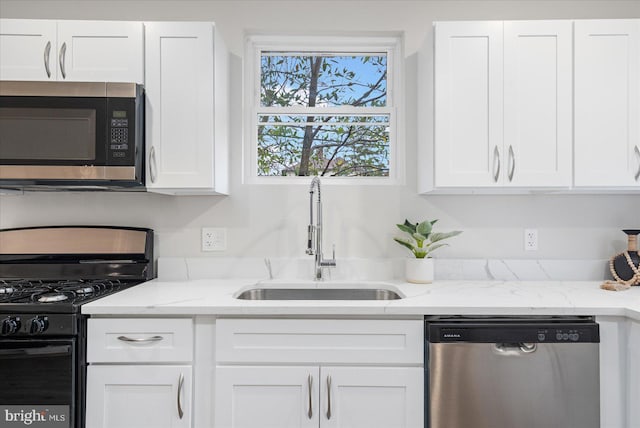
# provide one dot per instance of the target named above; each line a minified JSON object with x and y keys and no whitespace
{"x":323,"y":106}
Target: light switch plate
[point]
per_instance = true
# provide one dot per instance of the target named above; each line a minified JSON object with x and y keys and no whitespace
{"x":214,"y":239}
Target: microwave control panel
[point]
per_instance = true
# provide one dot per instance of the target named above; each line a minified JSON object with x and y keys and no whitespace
{"x":119,"y":135}
{"x":121,"y":131}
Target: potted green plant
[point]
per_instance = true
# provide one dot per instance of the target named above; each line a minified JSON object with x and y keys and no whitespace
{"x":422,"y":241}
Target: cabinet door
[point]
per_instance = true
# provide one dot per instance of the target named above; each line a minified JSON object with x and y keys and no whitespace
{"x":179,"y":89}
{"x":607,"y":103}
{"x":267,"y":397}
{"x":138,"y":396}
{"x":100,"y":51}
{"x":633,"y":393}
{"x":537,"y":103}
{"x":468,"y":104}
{"x":366,"y":397}
{"x":28,"y":49}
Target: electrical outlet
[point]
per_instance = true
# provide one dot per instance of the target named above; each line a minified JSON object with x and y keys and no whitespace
{"x":214,"y":239}
{"x":531,"y":239}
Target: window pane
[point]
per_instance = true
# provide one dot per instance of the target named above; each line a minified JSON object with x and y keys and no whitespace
{"x":316,"y":80}
{"x":347,"y":146}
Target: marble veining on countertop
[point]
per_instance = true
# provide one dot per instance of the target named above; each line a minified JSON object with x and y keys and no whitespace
{"x":207,"y":286}
{"x":459,"y":297}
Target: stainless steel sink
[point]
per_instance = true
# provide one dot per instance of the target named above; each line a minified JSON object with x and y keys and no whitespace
{"x":318,"y":294}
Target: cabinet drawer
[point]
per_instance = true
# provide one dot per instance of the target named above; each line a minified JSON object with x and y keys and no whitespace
{"x":140,"y":340}
{"x":319,"y":341}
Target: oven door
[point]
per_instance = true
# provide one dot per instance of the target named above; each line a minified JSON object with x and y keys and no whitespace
{"x":38,"y":381}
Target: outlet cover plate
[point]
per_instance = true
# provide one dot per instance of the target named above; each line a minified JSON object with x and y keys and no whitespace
{"x":531,"y":239}
{"x":214,"y":239}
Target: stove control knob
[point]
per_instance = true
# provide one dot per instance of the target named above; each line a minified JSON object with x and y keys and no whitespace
{"x":10,"y":325}
{"x":38,"y":325}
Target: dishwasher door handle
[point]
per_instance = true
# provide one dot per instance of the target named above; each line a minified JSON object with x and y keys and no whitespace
{"x":515,"y":348}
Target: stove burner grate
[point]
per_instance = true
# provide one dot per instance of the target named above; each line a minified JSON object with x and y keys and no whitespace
{"x":50,"y":297}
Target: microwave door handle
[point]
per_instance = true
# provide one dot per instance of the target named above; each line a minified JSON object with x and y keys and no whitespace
{"x":61,"y":59}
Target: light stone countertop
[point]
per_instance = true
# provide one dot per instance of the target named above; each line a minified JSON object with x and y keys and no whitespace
{"x":215,"y":297}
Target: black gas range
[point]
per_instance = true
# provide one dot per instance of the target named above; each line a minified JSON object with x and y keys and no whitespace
{"x":46,"y":275}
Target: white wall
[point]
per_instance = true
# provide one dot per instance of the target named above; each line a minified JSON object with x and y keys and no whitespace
{"x":271,"y":220}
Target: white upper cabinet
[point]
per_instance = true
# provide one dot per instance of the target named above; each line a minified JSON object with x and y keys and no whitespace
{"x":468,"y":103}
{"x":186,"y":108}
{"x":537,"y":103}
{"x":78,"y":51}
{"x":100,"y":51}
{"x":503,"y":104}
{"x":28,"y":49}
{"x":607,"y":103}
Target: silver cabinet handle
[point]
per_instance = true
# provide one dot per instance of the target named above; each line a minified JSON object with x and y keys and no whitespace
{"x":61,"y":59}
{"x":310,"y":383}
{"x":152,"y":164}
{"x":328,"y":397}
{"x":47,"y":53}
{"x":180,"y":385}
{"x":496,"y":157}
{"x":142,"y":340}
{"x":637,"y":176}
{"x":512,"y":160}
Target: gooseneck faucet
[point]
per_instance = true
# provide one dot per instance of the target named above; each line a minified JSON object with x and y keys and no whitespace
{"x":315,"y":232}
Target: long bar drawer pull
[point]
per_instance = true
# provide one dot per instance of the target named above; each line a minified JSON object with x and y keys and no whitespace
{"x":152,"y":164}
{"x":142,"y":340}
{"x":62,"y":58}
{"x":512,"y":158}
{"x":496,"y":160}
{"x":180,"y":385}
{"x":310,"y":382}
{"x":328,"y":397}
{"x":637,"y":176}
{"x":47,"y":52}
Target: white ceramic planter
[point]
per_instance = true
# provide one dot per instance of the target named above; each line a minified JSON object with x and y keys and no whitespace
{"x":419,"y":271}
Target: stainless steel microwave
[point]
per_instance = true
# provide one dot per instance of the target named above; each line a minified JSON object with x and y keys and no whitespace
{"x":71,"y":135}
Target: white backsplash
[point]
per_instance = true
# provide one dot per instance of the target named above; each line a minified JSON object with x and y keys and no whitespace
{"x":178,"y":268}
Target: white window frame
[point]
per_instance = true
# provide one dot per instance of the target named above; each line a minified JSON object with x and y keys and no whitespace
{"x":391,"y":45}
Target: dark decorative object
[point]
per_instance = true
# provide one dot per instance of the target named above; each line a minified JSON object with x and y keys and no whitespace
{"x":625,"y":267}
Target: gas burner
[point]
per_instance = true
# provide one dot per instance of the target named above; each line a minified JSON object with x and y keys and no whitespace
{"x":78,"y":287}
{"x":52,"y":297}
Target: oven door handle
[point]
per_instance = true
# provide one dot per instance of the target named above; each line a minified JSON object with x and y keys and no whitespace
{"x":49,"y":351}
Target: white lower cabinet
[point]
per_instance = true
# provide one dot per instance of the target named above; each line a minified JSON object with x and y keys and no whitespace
{"x":633,"y":376}
{"x":139,"y":373}
{"x":267,"y":397}
{"x":370,"y":397}
{"x":139,"y":396}
{"x":286,"y":373}
{"x":312,"y":396}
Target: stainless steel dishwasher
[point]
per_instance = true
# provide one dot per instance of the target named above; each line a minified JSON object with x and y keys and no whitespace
{"x":512,"y":372}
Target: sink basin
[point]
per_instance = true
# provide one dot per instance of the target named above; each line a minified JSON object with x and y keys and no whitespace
{"x":325,"y":293}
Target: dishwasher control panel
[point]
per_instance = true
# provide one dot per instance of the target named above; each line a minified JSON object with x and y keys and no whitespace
{"x":506,"y":332}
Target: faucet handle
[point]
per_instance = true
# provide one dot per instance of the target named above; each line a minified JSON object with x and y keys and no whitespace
{"x":331,"y":262}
